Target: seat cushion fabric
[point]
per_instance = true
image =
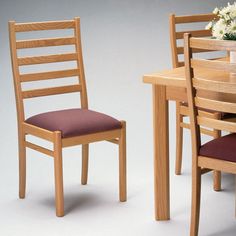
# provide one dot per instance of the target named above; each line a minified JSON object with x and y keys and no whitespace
{"x":223,"y":148}
{"x":74,"y":122}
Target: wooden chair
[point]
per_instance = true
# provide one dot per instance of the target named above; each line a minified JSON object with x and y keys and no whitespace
{"x":218,"y":154}
{"x":177,"y":50}
{"x":62,"y":128}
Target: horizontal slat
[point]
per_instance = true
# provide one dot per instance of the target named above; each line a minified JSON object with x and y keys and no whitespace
{"x":180,"y":50}
{"x":185,"y":125}
{"x":210,"y":114}
{"x":50,"y":25}
{"x":212,"y":44}
{"x":217,"y":124}
{"x":39,"y":149}
{"x":115,"y":141}
{"x":47,"y":59}
{"x":90,"y":138}
{"x":202,"y":130}
{"x":214,"y":164}
{"x":207,"y":132}
{"x":205,"y":170}
{"x":215,"y":105}
{"x":181,"y":63}
{"x":194,"y":18}
{"x":34,"y":43}
{"x":38,"y":132}
{"x":184,"y":110}
{"x":48,"y":75}
{"x":51,"y":91}
{"x":194,"y":33}
{"x":213,"y":85}
{"x":214,"y":64}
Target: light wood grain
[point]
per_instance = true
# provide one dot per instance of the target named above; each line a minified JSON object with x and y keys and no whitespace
{"x":80,"y":64}
{"x":213,"y":64}
{"x":179,"y":138}
{"x":39,"y":149}
{"x":195,"y":18}
{"x":205,"y":44}
{"x":85,"y":163}
{"x":117,"y":136}
{"x":161,"y":154}
{"x":49,"y":25}
{"x":175,"y":37}
{"x":58,"y":172}
{"x":48,"y":75}
{"x":218,"y":124}
{"x":51,"y":91}
{"x":46,"y":42}
{"x":122,"y":164}
{"x":23,"y":61}
{"x":196,"y":101}
{"x":36,"y":131}
{"x":194,"y":33}
{"x":215,"y":105}
{"x":211,"y":163}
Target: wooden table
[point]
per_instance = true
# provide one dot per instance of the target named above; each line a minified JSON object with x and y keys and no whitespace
{"x":169,"y":85}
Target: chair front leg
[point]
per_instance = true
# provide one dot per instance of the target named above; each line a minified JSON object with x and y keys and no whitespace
{"x":196,"y":199}
{"x":58,"y":172}
{"x":122,"y":163}
{"x":85,"y":160}
{"x":22,"y":165}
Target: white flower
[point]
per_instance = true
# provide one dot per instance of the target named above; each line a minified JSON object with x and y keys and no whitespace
{"x":232,"y":27}
{"x":216,"y":11}
{"x":232,"y":11}
{"x":228,"y":12}
{"x":209,"y":26}
{"x":219,"y":29}
{"x":224,"y":27}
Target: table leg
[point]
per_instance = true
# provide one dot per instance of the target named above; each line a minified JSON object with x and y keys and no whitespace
{"x":161,"y":153}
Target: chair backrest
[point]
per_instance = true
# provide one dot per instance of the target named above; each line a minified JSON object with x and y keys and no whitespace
{"x":47,"y":60}
{"x":213,"y":77}
{"x":177,"y":36}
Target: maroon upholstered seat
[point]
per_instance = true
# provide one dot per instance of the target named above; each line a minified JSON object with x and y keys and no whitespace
{"x":223,"y":148}
{"x":74,"y":122}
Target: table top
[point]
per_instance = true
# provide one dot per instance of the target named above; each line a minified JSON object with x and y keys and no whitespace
{"x":176,"y":77}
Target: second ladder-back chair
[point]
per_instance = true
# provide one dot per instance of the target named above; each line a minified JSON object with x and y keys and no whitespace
{"x":63,"y":128}
{"x":220,"y":87}
{"x":177,"y":50}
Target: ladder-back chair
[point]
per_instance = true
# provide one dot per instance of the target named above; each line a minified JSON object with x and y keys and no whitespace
{"x":63,"y":128}
{"x":177,"y":51}
{"x":218,"y":154}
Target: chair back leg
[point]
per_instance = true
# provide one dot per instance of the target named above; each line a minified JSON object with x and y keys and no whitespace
{"x":179,"y":140}
{"x":122,"y":163}
{"x":85,"y":160}
{"x":22,"y":165}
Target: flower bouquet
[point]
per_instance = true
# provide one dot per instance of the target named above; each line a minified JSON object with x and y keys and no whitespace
{"x":224,"y":25}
